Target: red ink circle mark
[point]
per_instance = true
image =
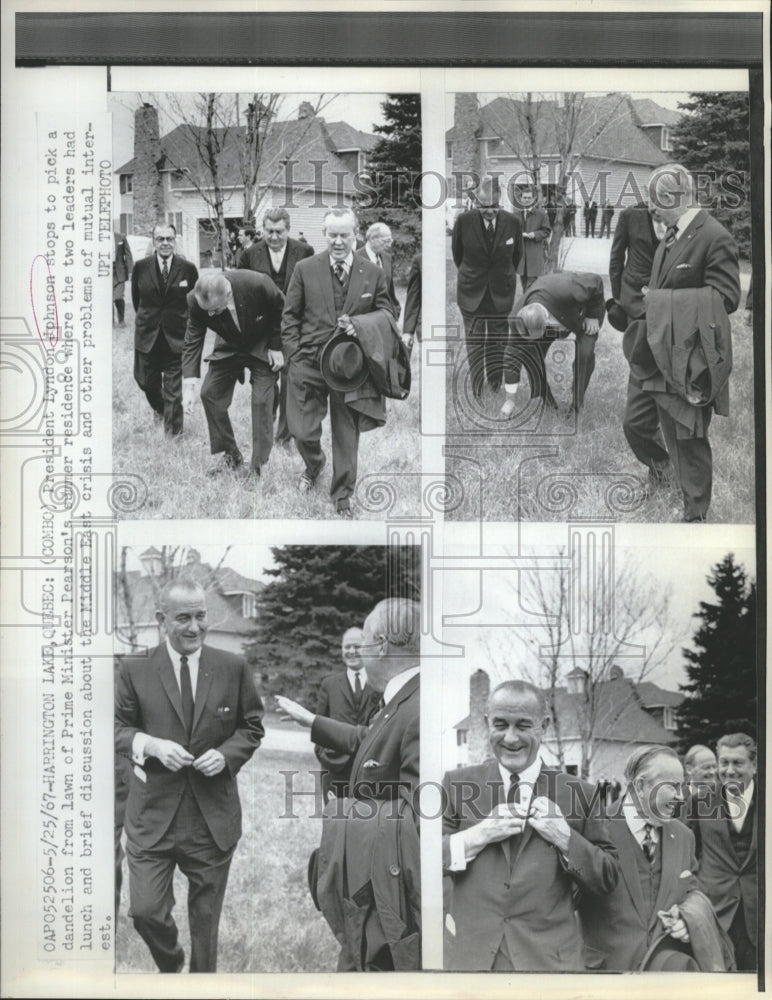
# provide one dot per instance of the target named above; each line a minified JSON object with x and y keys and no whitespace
{"x":51,"y":342}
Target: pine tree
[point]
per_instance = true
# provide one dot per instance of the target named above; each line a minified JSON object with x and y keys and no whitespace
{"x":318,"y":592}
{"x":394,"y":166}
{"x":713,"y":140}
{"x":721,"y":693}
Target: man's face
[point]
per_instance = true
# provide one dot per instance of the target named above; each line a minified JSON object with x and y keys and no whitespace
{"x":243,"y":238}
{"x":340,"y":233}
{"x":275,"y":234}
{"x":163,"y":241}
{"x":666,"y":203}
{"x":735,"y":767}
{"x":349,"y":647}
{"x":488,"y":205}
{"x":515,"y":729}
{"x":659,"y":789}
{"x":185,"y":621}
{"x":381,"y":244}
{"x":214,"y":304}
{"x":527,"y":198}
{"x":703,"y":769}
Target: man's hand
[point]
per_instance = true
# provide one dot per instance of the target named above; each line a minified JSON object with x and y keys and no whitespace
{"x":527,"y":236}
{"x":644,"y":293}
{"x":171,"y":754}
{"x":276,"y":360}
{"x":189,"y":391}
{"x":407,"y":340}
{"x":591,"y":327}
{"x":345,"y":324}
{"x":504,"y":821}
{"x":674,"y":923}
{"x":546,"y":818}
{"x":289,"y":709}
{"x":210,"y":763}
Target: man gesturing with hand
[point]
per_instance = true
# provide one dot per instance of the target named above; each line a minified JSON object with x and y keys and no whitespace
{"x":517,"y":836}
{"x":188,"y":717}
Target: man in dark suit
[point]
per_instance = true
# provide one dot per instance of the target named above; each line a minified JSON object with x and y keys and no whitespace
{"x":244,"y":310}
{"x":486,"y":244}
{"x":536,"y":230}
{"x":411,"y":322}
{"x":276,"y":255}
{"x":657,"y":868}
{"x":188,"y":717}
{"x":347,"y":696}
{"x":377,"y":249}
{"x":726,"y":831}
{"x":696,"y":253}
{"x":554,"y":306}
{"x":368,"y":880}
{"x":246,"y":239}
{"x":590,"y":217}
{"x":326,"y":290}
{"x":159,"y":288}
{"x":123,"y":262}
{"x":518,"y":837}
{"x":606,"y":215}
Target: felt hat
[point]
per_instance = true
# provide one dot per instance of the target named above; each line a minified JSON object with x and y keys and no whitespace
{"x":668,"y":955}
{"x":342,"y":363}
{"x":617,"y":317}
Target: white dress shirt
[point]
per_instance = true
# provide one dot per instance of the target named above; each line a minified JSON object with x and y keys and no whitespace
{"x":373,"y":256}
{"x":684,"y":221}
{"x":140,"y":739}
{"x":396,"y":684}
{"x":636,"y":824}
{"x":352,"y":677}
{"x":739,"y":805}
{"x":347,"y":263}
{"x":277,"y":257}
{"x":160,"y":260}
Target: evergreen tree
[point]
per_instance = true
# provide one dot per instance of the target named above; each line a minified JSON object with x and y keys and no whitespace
{"x":713,"y":140}
{"x":318,"y":592}
{"x":394,"y":166}
{"x":721,"y":693}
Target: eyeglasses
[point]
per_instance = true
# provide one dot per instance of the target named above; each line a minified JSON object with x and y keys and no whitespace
{"x":164,"y":239}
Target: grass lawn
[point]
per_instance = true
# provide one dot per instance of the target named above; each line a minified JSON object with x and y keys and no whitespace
{"x":269,"y":922}
{"x":549,"y":467}
{"x":174,"y":473}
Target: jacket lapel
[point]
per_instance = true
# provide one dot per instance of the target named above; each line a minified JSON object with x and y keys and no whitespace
{"x":355,"y":285}
{"x":669,"y":875}
{"x":325,"y":277}
{"x":627,"y":845}
{"x":681,"y":246}
{"x":203,"y":684}
{"x":169,"y":682}
{"x":491,"y":795}
{"x":540,"y":788}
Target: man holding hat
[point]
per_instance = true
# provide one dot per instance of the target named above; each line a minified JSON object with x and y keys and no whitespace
{"x":325,"y":292}
{"x":554,"y":306}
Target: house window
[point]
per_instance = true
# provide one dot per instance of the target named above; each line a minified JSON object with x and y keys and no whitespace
{"x":669,"y":719}
{"x":175,"y":218}
{"x":248,"y":606}
{"x":126,"y":223}
{"x":126,"y":183}
{"x":665,"y":143}
{"x":461,"y":737}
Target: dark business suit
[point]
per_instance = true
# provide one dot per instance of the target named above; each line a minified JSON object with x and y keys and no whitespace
{"x":590,"y":217}
{"x":258,"y":307}
{"x":619,"y":926}
{"x":123,"y":262}
{"x":258,"y":258}
{"x":369,"y":880}
{"x":571,"y":298}
{"x":411,"y":321}
{"x":387,"y":266}
{"x":485,"y":290}
{"x":336,"y":700}
{"x":728,"y":871}
{"x":513,"y":906}
{"x":531,"y":265}
{"x":183,"y":817}
{"x":310,"y":319}
{"x":159,"y":331}
{"x":704,"y":255}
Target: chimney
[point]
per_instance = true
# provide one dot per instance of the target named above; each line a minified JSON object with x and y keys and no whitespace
{"x":576,"y":681}
{"x":148,"y":182}
{"x":616,"y":673}
{"x":306,"y":110}
{"x":152,"y":561}
{"x":465,"y":147}
{"x":479,"y":690}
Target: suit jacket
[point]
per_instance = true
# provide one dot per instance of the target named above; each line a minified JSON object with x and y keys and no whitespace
{"x":616,"y":926}
{"x":520,"y":891}
{"x":258,"y":258}
{"x":571,"y":297}
{"x":478,"y":270}
{"x":729,"y":881}
{"x":632,"y":254}
{"x":310,"y":318}
{"x":227,"y":716}
{"x":258,"y":306}
{"x":411,"y":321}
{"x":160,"y":308}
{"x":387,"y":266}
{"x":335,"y":700}
{"x":123,"y":261}
{"x":532,"y":259}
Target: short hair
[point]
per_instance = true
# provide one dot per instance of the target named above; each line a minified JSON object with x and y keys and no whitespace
{"x":276,"y":215}
{"x":692,"y":753}
{"x":674,"y":179}
{"x":351,"y":628}
{"x":248,"y":231}
{"x":340,"y":213}
{"x":212,"y":286}
{"x":739,"y":740}
{"x":377,"y":229}
{"x":520,"y":688}
{"x":642,"y":757}
{"x":398,"y":619}
{"x":488,"y":190}
{"x":165,"y":225}
{"x":531,"y":321}
{"x":181,"y":584}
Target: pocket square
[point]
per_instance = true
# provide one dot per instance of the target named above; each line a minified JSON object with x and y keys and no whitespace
{"x":184,"y":283}
{"x":510,"y":241}
{"x":685,"y":874}
{"x":680,"y":267}
{"x":223,"y":710}
{"x":140,"y":773}
{"x":372,"y":763}
{"x":366,"y":295}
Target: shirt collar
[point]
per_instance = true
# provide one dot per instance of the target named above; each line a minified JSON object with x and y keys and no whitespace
{"x":277,"y":254}
{"x":396,"y":684}
{"x":174,"y":656}
{"x":371,"y":253}
{"x":353,"y":674}
{"x":346,"y":262}
{"x":161,"y":263}
{"x":637,"y":823}
{"x":685,"y":220}
{"x":528,"y":776}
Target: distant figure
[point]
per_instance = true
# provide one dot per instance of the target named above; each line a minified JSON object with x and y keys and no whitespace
{"x":301,"y":237}
{"x":245,"y":238}
{"x":378,"y":241}
{"x":607,"y":214}
{"x":569,"y":219}
{"x":536,"y":231}
{"x":411,"y":323}
{"x":590,"y":217}
{"x":123,"y":263}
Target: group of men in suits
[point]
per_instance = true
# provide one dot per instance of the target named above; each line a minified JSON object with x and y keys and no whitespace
{"x":272,"y":316}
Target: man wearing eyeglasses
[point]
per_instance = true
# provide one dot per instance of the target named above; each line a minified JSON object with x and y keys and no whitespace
{"x":159,"y":287}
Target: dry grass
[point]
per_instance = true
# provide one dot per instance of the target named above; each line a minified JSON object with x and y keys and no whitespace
{"x":269,"y":922}
{"x":174,"y":473}
{"x":544,"y":466}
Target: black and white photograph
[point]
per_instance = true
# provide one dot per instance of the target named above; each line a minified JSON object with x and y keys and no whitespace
{"x":266,"y":753}
{"x":599,"y":300}
{"x":275,"y":237}
{"x":599,"y":748}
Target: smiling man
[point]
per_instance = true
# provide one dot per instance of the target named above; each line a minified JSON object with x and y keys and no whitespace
{"x":518,"y":837}
{"x":188,"y":717}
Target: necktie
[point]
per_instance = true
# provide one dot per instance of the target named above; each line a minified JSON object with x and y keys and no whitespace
{"x":489,"y":234}
{"x":648,"y":845}
{"x":357,"y":689}
{"x":340,"y":272}
{"x":513,"y":792}
{"x":670,"y":235}
{"x":186,"y":689}
{"x":165,"y":271}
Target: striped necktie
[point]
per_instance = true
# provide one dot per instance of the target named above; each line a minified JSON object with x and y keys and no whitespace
{"x":670,"y":236}
{"x":186,"y":689}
